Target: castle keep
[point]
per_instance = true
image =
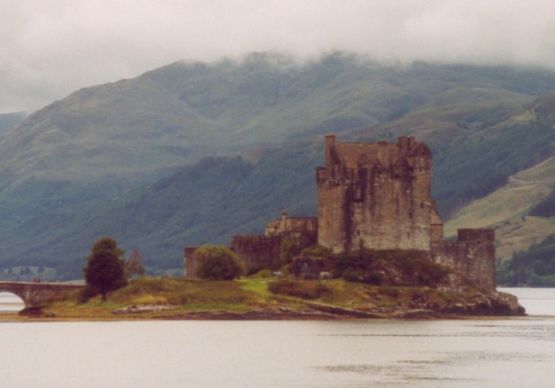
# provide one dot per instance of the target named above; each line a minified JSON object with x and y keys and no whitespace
{"x":375,"y":196}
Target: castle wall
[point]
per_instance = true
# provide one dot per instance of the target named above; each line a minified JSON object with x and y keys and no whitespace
{"x":436,"y":227}
{"x":472,"y":254}
{"x":291,"y":225}
{"x":333,"y":215}
{"x":375,"y":195}
{"x":191,"y":265}
{"x":258,"y":251}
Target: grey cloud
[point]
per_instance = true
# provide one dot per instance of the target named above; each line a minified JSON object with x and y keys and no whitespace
{"x":50,"y":48}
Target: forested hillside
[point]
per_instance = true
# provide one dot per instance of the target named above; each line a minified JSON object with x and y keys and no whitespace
{"x":195,"y":152}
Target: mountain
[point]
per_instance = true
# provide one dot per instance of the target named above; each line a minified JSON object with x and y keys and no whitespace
{"x":195,"y":152}
{"x":9,"y":120}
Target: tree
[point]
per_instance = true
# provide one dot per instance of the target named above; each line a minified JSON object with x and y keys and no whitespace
{"x":105,"y":268}
{"x":134,"y":264}
{"x":218,"y":263}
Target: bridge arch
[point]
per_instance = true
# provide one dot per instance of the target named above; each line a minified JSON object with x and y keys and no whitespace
{"x":10,"y":302}
{"x":37,"y":295}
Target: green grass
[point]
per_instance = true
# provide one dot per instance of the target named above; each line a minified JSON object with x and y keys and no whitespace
{"x":260,"y":287}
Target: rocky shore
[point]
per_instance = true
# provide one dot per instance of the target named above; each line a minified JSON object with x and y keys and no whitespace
{"x":497,"y":304}
{"x":278,"y":299}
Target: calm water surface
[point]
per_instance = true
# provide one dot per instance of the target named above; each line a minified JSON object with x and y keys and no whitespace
{"x":477,"y":353}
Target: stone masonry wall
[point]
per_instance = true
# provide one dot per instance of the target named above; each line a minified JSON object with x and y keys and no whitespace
{"x":375,"y":195}
{"x":291,"y":225}
{"x":191,"y":264}
{"x":257,"y":251}
{"x":472,"y":254}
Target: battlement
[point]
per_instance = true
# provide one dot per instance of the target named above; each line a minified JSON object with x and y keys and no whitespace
{"x":355,"y":155}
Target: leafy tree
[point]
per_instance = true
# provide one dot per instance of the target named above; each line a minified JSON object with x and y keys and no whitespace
{"x":134,"y":264}
{"x":105,"y":270}
{"x":218,"y":263}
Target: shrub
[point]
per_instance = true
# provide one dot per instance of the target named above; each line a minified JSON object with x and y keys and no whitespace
{"x":300,"y":289}
{"x":218,"y":263}
{"x":350,"y":275}
{"x":374,"y":277}
{"x":317,"y":251}
{"x":263,"y":273}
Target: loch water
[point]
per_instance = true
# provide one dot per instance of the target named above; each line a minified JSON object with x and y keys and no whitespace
{"x":516,"y":352}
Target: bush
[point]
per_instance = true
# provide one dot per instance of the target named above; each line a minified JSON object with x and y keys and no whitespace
{"x":390,"y":267}
{"x":263,"y":273}
{"x":350,"y":275}
{"x":218,"y":263}
{"x":300,"y":289}
{"x":369,"y":277}
{"x":317,"y":251}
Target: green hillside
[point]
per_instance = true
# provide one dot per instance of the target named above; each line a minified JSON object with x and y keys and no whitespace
{"x":196,"y":152}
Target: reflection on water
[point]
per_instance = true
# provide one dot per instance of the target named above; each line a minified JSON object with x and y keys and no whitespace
{"x":10,"y":303}
{"x":516,"y":352}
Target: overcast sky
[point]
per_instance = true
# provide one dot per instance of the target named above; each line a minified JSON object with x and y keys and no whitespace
{"x":50,"y":48}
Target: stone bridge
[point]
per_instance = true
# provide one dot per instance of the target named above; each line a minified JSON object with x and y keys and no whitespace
{"x":36,"y":295}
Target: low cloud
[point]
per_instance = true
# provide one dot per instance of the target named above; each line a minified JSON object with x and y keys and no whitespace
{"x":50,"y":48}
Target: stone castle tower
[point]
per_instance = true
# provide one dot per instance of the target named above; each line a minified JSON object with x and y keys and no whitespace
{"x":377,"y":196}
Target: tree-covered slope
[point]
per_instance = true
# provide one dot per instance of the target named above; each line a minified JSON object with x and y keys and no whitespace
{"x":532,"y":267}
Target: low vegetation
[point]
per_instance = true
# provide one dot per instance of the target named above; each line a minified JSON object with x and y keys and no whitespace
{"x":217,"y":262}
{"x":361,"y":284}
{"x":385,"y":267}
{"x":271,"y":298}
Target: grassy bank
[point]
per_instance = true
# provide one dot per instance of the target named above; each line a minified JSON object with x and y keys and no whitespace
{"x":272,"y":298}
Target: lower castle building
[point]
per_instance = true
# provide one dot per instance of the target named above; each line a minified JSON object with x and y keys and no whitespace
{"x":375,"y":196}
